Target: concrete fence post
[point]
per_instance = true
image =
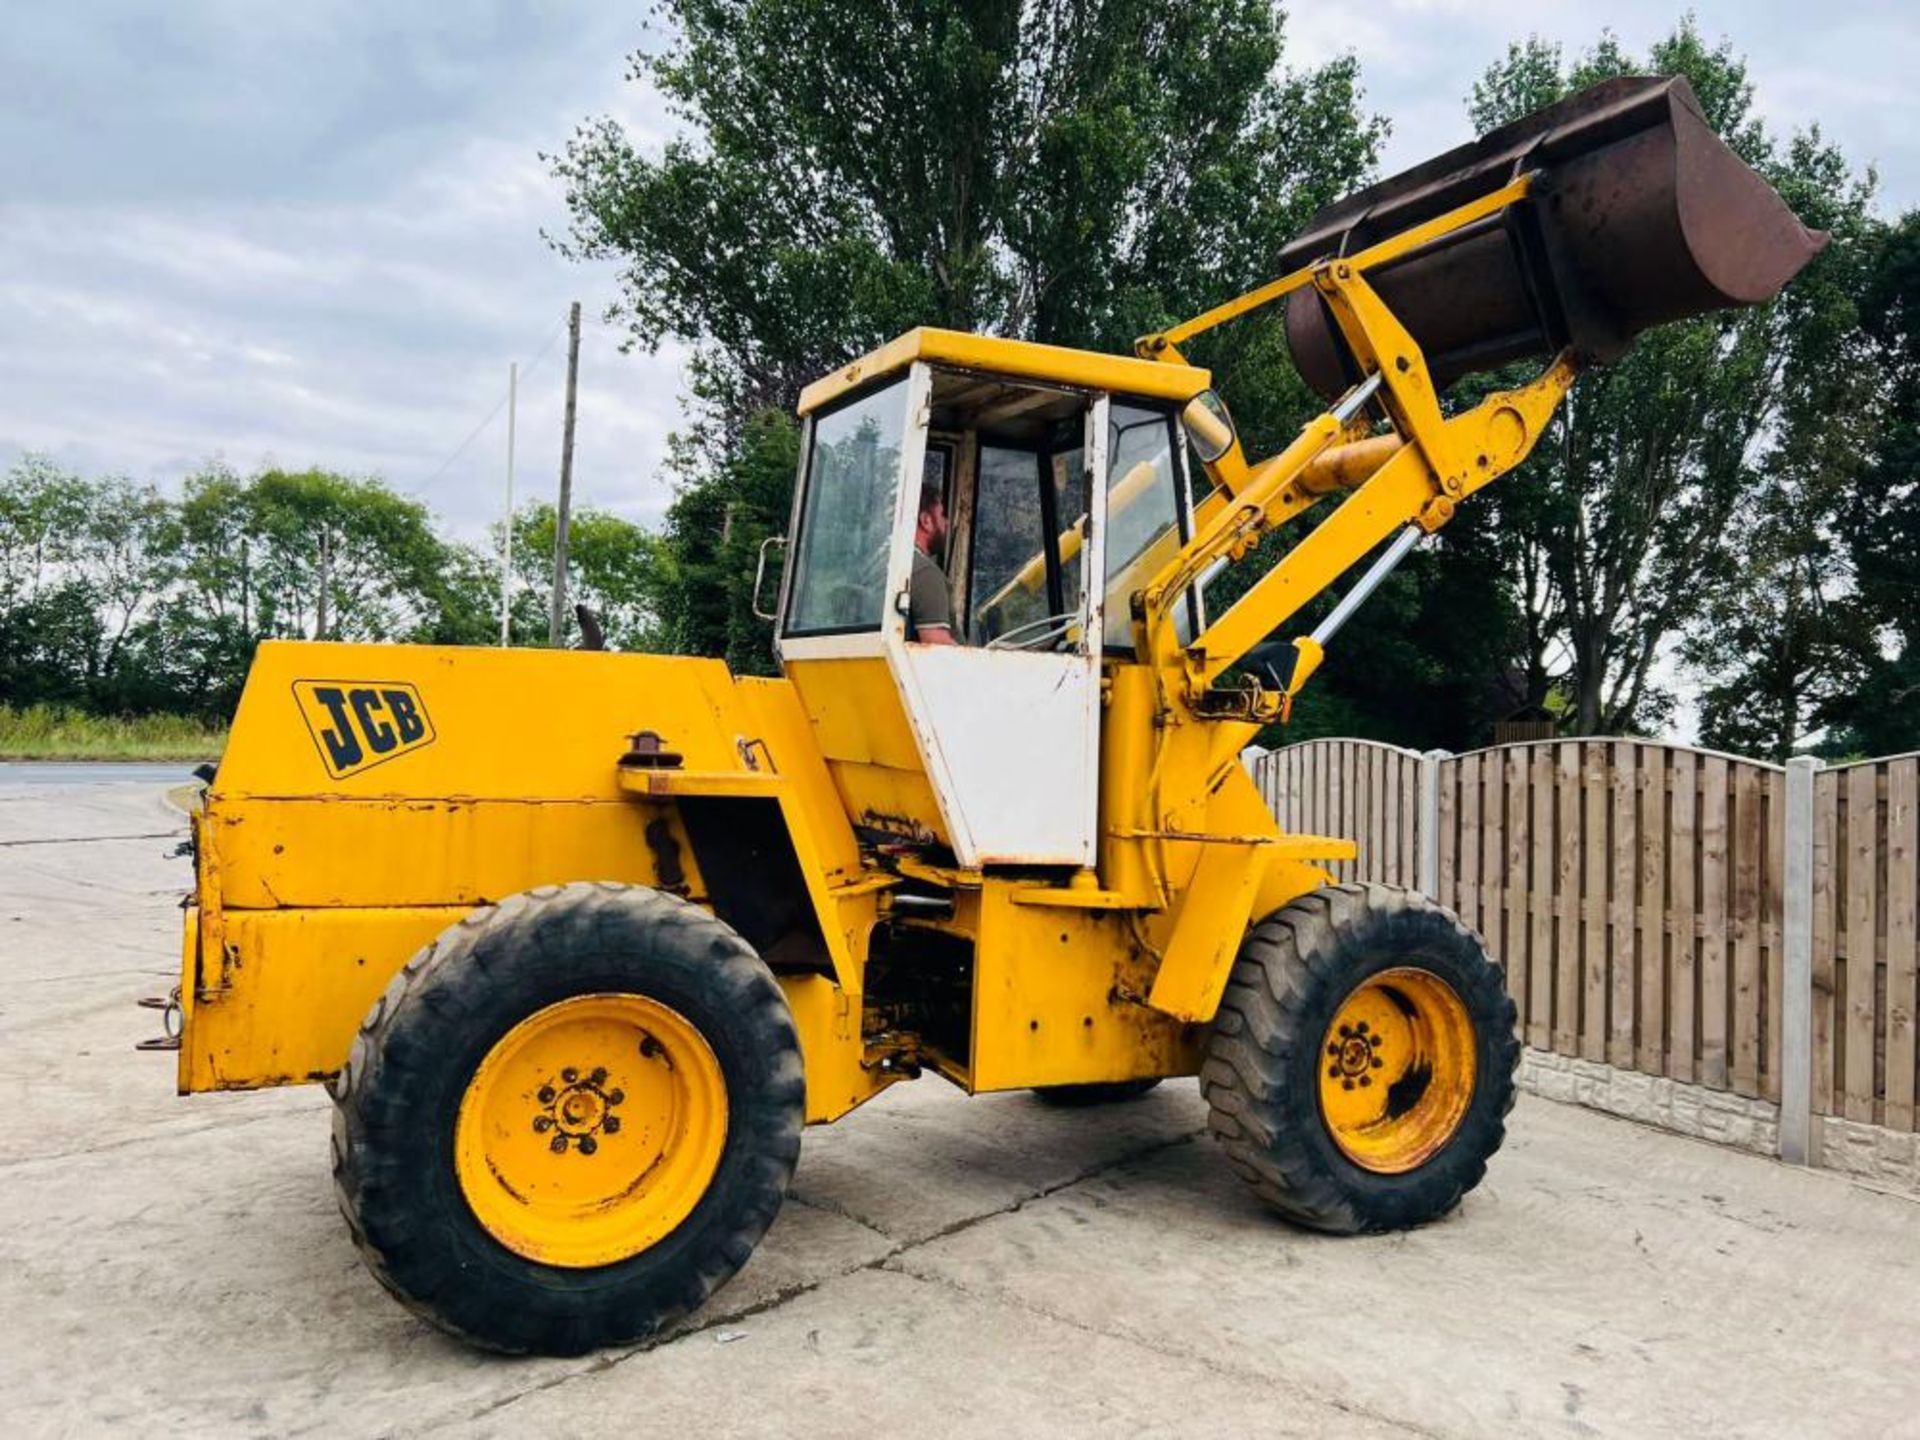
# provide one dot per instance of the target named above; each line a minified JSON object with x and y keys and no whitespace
{"x":1796,"y":978}
{"x":1426,"y":839}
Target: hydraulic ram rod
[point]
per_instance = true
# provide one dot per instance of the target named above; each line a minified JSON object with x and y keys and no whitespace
{"x":1408,"y":537}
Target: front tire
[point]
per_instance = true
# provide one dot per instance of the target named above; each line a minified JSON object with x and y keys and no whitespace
{"x":569,"y":1120}
{"x":1361,"y":1064}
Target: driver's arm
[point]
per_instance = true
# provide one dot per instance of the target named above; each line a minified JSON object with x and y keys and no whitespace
{"x":929,"y":606}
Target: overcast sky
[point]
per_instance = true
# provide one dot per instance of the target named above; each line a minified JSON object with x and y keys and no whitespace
{"x":310,"y":234}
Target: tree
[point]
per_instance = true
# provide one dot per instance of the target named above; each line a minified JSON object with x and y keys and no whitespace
{"x":1075,"y":171}
{"x":82,"y":565}
{"x":1627,"y":524}
{"x":300,"y":554}
{"x":612,"y":569}
{"x":712,"y":544}
{"x":1066,"y":170}
{"x":48,"y":627}
{"x":1879,"y":523}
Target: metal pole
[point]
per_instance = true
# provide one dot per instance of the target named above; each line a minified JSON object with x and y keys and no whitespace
{"x":556,"y":612}
{"x":1427,"y":838}
{"x":1796,"y":969}
{"x":1369,"y":582}
{"x":506,"y":547}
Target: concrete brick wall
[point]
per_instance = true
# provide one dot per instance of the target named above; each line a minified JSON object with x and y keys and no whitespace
{"x":1886,"y":1158}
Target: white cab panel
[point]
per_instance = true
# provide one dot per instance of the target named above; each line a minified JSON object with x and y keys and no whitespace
{"x":1012,"y":744}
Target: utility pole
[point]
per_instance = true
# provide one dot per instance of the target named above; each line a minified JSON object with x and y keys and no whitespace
{"x":557,"y":610}
{"x":506,"y":548}
{"x":320,"y":616}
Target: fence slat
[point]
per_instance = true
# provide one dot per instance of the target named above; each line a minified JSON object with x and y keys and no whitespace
{"x":1469,"y":906}
{"x":1773,"y":931}
{"x":1448,"y":777}
{"x":1622,"y":939}
{"x":1903,"y":813}
{"x":1826,"y":940}
{"x":1410,"y":821}
{"x":1650,"y":1046}
{"x":1683,"y":989}
{"x":1386,"y":762}
{"x":1593,"y":903}
{"x":1566,"y":900}
{"x":1712,"y":1069}
{"x":1539,"y":893}
{"x":1493,"y":862}
{"x":1513,"y":888}
{"x":1746,"y":930}
{"x":1863,"y":815}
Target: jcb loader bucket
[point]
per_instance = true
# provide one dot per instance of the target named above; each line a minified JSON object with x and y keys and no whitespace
{"x":1639,"y":215}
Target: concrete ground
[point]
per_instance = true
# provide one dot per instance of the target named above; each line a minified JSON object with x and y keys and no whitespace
{"x":943,"y":1266}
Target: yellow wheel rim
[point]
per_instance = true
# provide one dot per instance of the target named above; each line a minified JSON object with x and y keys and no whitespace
{"x":1396,"y":1070}
{"x":591,"y":1130}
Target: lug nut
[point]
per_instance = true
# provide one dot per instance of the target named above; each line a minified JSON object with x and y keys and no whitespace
{"x":588,"y":1145}
{"x":1361,"y":1028}
{"x":1333,"y":1072}
{"x":614,"y":1097}
{"x":599,"y":1075}
{"x":1365,"y":1080}
{"x":1333,"y":1049}
{"x":611,"y":1125}
{"x":546,"y":1094}
{"x":1378,"y":1062}
{"x":569,"y":1075}
{"x":542,"y":1124}
{"x":559,"y":1144}
{"x":1346,"y":1084}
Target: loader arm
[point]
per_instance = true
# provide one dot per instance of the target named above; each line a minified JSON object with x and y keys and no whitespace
{"x":1410,"y":478}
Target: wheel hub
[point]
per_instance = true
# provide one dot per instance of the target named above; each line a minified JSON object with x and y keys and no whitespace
{"x":578,"y":1109}
{"x":621,"y":1082}
{"x":1355,"y":1056}
{"x":1399,"y":1071}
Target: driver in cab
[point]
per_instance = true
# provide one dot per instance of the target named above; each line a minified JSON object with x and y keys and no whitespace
{"x":929,"y":602}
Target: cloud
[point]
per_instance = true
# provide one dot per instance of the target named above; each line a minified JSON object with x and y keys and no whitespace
{"x":184,"y":275}
{"x":312,"y":234}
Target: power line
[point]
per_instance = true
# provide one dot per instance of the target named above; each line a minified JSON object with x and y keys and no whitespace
{"x":493,"y":414}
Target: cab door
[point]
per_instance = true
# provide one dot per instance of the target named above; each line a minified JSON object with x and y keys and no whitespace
{"x":990,"y":747}
{"x":1008,"y":721}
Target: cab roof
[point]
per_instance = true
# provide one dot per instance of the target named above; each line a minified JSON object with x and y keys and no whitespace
{"x":1016,"y":359}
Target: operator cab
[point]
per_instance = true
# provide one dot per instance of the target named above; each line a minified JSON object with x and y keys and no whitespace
{"x":1065,"y":485}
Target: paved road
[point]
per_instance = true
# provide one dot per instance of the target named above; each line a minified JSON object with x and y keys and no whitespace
{"x":70,"y":774}
{"x":944,"y":1266}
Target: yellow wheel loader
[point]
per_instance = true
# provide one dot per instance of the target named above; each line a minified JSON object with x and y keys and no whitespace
{"x":580,"y":942}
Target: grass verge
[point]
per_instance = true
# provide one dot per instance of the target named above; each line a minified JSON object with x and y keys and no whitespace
{"x":49,"y":732}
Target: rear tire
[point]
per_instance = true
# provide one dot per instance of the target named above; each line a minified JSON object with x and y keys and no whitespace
{"x":596,"y":958}
{"x":1274,"y":1075}
{"x":1104,"y":1092}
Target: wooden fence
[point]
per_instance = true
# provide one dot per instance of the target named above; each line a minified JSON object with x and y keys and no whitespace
{"x":1642,"y":898}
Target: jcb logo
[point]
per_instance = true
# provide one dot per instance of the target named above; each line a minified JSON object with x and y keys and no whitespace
{"x":359,"y":723}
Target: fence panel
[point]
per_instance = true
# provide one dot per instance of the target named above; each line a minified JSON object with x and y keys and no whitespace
{"x":1864,"y":942}
{"x":1635,"y":893}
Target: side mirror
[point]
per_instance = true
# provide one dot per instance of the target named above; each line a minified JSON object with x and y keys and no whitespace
{"x":1208,"y":426}
{"x":760,"y":575}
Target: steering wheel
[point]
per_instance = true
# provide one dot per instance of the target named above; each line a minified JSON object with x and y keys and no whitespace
{"x":1041,"y":634}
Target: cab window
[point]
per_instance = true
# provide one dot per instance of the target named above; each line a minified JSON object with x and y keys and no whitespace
{"x":852,"y":484}
{"x":1146,"y":515}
